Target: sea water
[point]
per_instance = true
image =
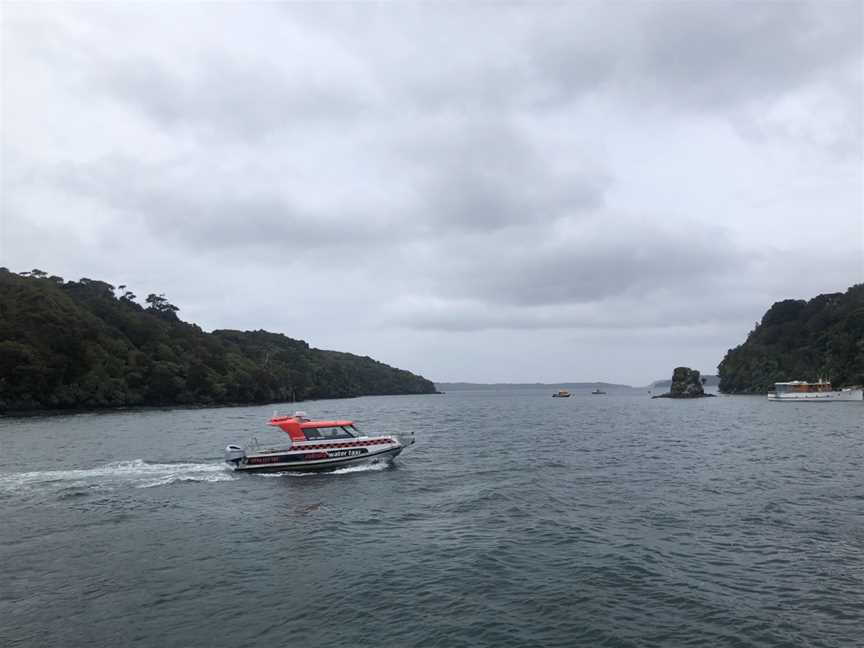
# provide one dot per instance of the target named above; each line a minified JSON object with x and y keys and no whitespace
{"x":515,"y":520}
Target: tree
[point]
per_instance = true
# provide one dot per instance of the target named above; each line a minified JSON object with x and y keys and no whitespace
{"x":161,"y":306}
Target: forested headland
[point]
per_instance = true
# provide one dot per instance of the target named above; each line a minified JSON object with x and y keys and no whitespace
{"x":86,"y":344}
{"x":801,"y":340}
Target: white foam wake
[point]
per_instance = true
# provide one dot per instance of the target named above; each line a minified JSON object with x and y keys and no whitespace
{"x":362,"y":468}
{"x":136,"y":473}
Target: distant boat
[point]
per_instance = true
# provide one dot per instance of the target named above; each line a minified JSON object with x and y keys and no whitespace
{"x":562,"y":393}
{"x":819,"y":391}
{"x":598,"y":391}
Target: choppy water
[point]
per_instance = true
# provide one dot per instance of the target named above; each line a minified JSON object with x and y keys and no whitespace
{"x":516,"y":520}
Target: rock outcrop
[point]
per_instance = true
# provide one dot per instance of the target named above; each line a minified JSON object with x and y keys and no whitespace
{"x":686,"y":383}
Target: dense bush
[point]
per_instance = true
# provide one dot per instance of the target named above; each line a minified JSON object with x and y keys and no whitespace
{"x":801,"y":340}
{"x":83,"y":345}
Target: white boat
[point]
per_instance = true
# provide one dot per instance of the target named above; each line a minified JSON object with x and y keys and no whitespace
{"x":316,"y":446}
{"x":819,"y":391}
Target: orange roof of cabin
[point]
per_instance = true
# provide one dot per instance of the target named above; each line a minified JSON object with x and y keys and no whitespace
{"x":305,"y":425}
{"x":294,"y":428}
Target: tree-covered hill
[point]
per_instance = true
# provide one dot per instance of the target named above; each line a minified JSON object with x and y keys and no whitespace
{"x":801,"y":340}
{"x":87,"y":344}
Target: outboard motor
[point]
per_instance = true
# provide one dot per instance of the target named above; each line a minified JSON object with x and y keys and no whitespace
{"x":234,"y":454}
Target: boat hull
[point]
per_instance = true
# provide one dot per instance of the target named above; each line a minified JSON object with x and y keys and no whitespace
{"x":318,"y":465}
{"x":818,"y":397}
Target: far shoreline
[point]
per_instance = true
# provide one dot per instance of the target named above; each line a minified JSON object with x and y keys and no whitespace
{"x":71,"y":411}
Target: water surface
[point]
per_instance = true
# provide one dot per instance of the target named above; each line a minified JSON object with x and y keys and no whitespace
{"x":516,"y":520}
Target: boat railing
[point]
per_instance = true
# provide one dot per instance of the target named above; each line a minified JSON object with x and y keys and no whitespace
{"x":252,"y":444}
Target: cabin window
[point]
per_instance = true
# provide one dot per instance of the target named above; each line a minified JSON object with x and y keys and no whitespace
{"x":324,"y":434}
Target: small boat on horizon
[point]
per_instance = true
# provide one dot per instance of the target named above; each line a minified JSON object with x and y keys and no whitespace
{"x":316,"y":446}
{"x":819,"y":391}
{"x":598,"y":392}
{"x":561,"y":393}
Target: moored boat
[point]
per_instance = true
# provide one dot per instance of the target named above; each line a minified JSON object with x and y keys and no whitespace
{"x":316,"y":446}
{"x":819,"y":391}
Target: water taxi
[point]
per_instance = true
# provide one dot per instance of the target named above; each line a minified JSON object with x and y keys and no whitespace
{"x":316,"y":446}
{"x":819,"y":391}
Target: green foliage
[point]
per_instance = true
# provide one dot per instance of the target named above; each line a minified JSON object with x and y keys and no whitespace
{"x":801,"y":340}
{"x":78,"y":345}
{"x":159,"y":306}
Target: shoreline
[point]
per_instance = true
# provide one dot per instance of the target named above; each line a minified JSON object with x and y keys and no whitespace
{"x":31,"y":413}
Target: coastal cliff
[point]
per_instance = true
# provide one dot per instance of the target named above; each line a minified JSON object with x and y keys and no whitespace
{"x":88,"y":345}
{"x":800,"y":340}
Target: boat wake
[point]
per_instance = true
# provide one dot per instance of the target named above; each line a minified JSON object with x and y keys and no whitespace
{"x":136,"y":473}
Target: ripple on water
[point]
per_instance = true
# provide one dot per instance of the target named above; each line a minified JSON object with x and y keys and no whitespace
{"x":514,"y":521}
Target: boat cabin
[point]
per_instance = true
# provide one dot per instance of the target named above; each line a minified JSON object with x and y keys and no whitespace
{"x":801,"y":387}
{"x":300,"y":428}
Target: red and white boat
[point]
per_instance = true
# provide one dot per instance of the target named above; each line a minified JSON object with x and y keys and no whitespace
{"x":316,"y":446}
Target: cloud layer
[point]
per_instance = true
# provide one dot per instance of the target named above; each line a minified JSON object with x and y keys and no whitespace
{"x":446,"y":188}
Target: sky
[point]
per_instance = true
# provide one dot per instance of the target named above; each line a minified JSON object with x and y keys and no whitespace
{"x":475,"y":192}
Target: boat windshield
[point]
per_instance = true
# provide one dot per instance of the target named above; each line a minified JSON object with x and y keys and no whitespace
{"x":340,"y":432}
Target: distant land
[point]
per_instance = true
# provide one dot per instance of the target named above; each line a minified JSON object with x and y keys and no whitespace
{"x":710,"y":381}
{"x":88,"y":345}
{"x":800,"y":340}
{"x":574,"y":387}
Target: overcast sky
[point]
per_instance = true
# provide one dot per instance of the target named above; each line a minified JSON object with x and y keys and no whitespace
{"x":485,"y":193}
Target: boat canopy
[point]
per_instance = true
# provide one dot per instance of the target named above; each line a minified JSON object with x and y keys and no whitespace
{"x":295,"y":426}
{"x":305,"y":425}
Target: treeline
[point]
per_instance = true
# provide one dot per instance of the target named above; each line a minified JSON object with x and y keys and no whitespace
{"x":87,"y":344}
{"x":801,"y":340}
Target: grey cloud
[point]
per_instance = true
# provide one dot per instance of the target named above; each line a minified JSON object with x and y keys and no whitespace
{"x":651,"y":310}
{"x":204,"y":209}
{"x":709,"y":56}
{"x":713,"y":54}
{"x":487,"y":175}
{"x":250,"y":99}
{"x":475,"y":178}
{"x":461,"y":169}
{"x":590,"y":262}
